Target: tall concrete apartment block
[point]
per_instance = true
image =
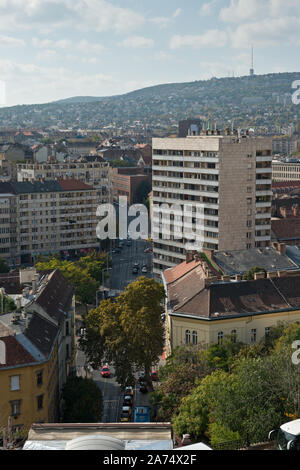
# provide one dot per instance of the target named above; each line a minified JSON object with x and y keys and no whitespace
{"x":227,"y":181}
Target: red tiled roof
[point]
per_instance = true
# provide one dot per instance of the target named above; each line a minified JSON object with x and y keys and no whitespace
{"x":16,"y":354}
{"x":173,"y":274}
{"x":73,"y":185}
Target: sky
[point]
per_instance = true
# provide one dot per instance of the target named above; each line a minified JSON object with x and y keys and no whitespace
{"x":55,"y":49}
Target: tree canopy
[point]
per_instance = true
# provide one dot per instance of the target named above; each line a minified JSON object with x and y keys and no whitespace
{"x":127,"y":333}
{"x":83,"y":401}
{"x":4,"y":268}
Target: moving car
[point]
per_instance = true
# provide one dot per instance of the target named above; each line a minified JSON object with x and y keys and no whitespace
{"x":125,"y":414}
{"x":148,"y":250}
{"x":142,"y":414}
{"x":127,"y":400}
{"x":105,"y":372}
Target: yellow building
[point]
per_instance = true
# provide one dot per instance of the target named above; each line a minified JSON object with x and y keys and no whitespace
{"x":28,"y":370}
{"x":203,"y":310}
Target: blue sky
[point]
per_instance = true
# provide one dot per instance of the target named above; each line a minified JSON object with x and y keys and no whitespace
{"x":53,"y":49}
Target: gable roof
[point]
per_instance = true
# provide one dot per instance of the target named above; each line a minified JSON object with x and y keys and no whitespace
{"x":56,"y":297}
{"x":16,"y":354}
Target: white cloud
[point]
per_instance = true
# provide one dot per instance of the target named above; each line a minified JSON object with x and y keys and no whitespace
{"x":91,"y":15}
{"x":207,"y":8}
{"x":211,"y":38}
{"x":177,"y":12}
{"x":137,"y":42}
{"x":10,"y":41}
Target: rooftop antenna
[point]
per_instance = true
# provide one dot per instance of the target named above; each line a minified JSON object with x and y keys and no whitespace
{"x":252,"y":62}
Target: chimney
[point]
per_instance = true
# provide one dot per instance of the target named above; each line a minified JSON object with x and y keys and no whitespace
{"x":18,"y":302}
{"x":281,"y":273}
{"x":282,"y":248}
{"x":260,"y":275}
{"x":238,"y":277}
{"x":189,"y":256}
{"x":295,"y":210}
{"x":197,"y":257}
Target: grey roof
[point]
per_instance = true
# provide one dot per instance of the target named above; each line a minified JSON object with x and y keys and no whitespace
{"x":293,"y":252}
{"x":240,"y":261}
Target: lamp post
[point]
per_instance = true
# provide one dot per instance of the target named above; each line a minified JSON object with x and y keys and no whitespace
{"x":97,"y":292}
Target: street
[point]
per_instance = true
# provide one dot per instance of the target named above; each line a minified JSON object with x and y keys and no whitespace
{"x":118,"y":278}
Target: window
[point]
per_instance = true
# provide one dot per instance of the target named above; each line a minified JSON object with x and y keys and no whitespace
{"x":67,"y":328}
{"x":39,"y":378}
{"x":40,"y":402}
{"x":220,"y":337}
{"x":267,"y":331}
{"x":249,"y":223}
{"x":15,"y":408}
{"x":233,"y":336}
{"x":187,"y":337}
{"x":253,"y":335}
{"x":195,"y":337}
{"x":249,"y":235}
{"x":15,"y":382}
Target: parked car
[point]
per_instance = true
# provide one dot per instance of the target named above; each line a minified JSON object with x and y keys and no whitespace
{"x":148,"y":250}
{"x":141,"y":377}
{"x":135,"y":270}
{"x":154,"y":375}
{"x":127,"y":400}
{"x":129,"y":243}
{"x":129,"y":391}
{"x":143,"y":387}
{"x":125,"y":414}
{"x":144,"y":269}
{"x":105,"y":372}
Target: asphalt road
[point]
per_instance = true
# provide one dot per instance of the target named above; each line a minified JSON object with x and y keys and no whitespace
{"x":121,"y":274}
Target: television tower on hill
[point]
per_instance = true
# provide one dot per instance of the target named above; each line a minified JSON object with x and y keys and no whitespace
{"x":252,"y":63}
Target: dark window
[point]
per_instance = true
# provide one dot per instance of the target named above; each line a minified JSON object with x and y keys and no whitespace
{"x":40,"y":402}
{"x":39,"y":378}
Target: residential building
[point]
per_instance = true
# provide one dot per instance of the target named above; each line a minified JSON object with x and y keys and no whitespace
{"x":94,"y":173}
{"x":29,"y":376}
{"x":39,"y":341}
{"x":129,"y":182}
{"x":202,"y":310}
{"x":46,"y":218}
{"x":285,"y":145}
{"x":286,"y":230}
{"x":286,"y":170}
{"x":217,"y":188}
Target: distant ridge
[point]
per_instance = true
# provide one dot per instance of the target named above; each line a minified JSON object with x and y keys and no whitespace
{"x":256,"y":100}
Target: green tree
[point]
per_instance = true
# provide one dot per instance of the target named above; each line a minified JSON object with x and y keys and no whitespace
{"x":85,"y":285}
{"x":127,"y":333}
{"x":250,"y":274}
{"x":4,"y":268}
{"x":82,"y":401}
{"x":8,"y":304}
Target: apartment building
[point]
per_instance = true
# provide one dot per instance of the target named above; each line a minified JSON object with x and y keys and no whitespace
{"x":94,"y":173}
{"x":221,"y":188}
{"x":45,"y":218}
{"x":286,"y":170}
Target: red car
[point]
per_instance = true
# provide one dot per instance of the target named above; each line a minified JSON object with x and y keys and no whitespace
{"x":154,"y":376}
{"x":105,"y":372}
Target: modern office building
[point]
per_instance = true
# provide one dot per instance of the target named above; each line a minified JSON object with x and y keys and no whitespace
{"x":219,"y":187}
{"x":45,"y":218}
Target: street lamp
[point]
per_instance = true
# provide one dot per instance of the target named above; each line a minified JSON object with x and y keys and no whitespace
{"x":97,"y":292}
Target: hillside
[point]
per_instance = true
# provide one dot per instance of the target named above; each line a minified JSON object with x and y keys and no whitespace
{"x":261,"y":100}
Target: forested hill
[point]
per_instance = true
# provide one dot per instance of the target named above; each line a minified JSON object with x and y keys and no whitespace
{"x":249,"y":101}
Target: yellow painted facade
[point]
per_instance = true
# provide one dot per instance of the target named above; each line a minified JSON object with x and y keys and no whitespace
{"x":208,"y":330}
{"x":28,"y":393}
